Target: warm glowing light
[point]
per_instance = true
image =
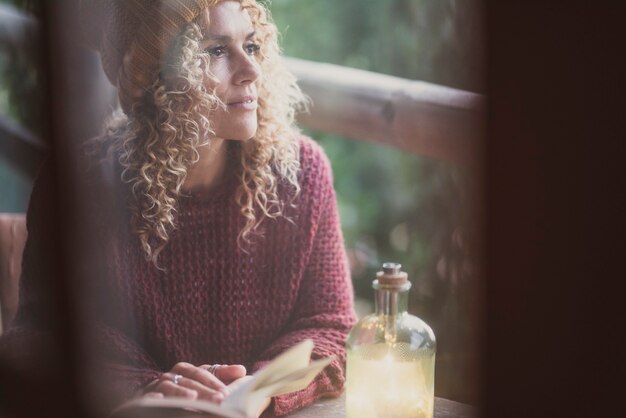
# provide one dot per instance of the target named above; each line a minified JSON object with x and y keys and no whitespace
{"x":387,"y":385}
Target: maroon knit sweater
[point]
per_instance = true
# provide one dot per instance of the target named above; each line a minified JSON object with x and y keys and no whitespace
{"x":213,"y":302}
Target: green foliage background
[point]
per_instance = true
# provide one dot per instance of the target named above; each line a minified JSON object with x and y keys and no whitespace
{"x":20,"y":88}
{"x":393,"y":206}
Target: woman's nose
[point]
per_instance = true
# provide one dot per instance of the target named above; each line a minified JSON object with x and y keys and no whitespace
{"x":248,"y":70}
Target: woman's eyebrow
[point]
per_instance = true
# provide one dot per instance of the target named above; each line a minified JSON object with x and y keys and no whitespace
{"x":225,"y":38}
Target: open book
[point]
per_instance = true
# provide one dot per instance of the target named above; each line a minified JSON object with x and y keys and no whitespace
{"x":289,"y":372}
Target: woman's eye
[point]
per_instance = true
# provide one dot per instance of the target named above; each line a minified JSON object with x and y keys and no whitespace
{"x":252,"y":48}
{"x":216,"y":51}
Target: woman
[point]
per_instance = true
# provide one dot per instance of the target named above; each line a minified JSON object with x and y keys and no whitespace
{"x":224,"y":248}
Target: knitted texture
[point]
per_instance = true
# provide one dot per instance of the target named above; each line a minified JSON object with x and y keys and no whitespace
{"x":214,"y":302}
{"x":132,"y":37}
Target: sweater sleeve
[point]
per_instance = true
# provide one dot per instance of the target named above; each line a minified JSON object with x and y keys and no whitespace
{"x":123,"y":368}
{"x":324,"y":310}
{"x":121,"y":365}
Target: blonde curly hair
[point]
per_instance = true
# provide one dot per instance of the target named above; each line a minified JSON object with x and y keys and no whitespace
{"x":157,"y":142}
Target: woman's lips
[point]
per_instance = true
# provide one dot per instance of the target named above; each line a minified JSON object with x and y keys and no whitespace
{"x":245,"y":103}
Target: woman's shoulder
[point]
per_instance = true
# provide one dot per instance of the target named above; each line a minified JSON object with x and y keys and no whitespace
{"x":315,"y":166}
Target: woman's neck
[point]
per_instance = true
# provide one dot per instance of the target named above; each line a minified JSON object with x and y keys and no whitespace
{"x":209,"y":170}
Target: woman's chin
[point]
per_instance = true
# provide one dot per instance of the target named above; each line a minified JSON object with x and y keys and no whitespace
{"x":244,"y":136}
{"x":241,"y":132}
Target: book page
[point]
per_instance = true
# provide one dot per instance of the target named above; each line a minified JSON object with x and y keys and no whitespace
{"x":295,"y":358}
{"x":288,"y":372}
{"x":249,"y":397}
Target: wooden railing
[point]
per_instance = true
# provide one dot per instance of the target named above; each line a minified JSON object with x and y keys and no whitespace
{"x":417,"y":117}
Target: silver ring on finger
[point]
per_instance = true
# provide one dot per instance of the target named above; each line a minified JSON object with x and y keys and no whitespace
{"x":213,"y":368}
{"x":177,"y":378}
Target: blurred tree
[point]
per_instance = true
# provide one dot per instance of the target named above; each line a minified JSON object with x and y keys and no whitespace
{"x":20,"y":100}
{"x":397,"y":207}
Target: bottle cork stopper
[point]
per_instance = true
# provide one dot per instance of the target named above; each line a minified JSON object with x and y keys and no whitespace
{"x":392,"y":275}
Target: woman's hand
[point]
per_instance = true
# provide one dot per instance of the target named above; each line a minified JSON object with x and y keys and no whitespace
{"x":196,"y":382}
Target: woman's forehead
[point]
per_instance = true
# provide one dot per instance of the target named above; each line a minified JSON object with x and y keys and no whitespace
{"x":225,"y":18}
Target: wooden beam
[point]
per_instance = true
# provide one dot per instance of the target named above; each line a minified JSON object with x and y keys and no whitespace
{"x":417,"y":117}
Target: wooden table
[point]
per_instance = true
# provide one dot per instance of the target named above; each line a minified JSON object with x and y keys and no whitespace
{"x":336,"y":408}
{"x":326,"y":408}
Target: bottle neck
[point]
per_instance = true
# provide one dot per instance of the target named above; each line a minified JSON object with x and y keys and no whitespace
{"x":391,"y":301}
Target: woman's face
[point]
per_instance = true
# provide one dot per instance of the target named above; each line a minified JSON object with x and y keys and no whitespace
{"x":229,"y":39}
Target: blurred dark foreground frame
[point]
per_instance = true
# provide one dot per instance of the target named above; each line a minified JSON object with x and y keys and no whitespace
{"x":553,"y":228}
{"x":55,"y":387}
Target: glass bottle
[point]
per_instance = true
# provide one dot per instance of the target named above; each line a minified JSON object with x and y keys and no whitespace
{"x":390,"y":356}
